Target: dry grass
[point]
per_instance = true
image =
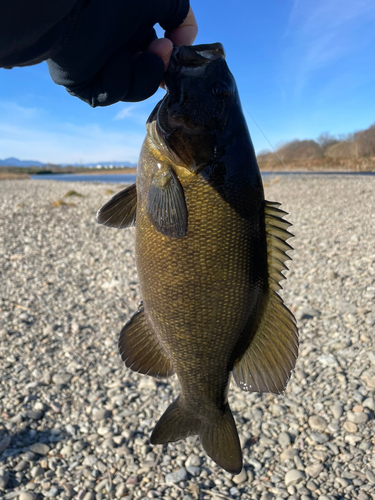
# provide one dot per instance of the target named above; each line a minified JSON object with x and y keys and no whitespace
{"x":61,"y":203}
{"x":73,"y":193}
{"x":7,"y":176}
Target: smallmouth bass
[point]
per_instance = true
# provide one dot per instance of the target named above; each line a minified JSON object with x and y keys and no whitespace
{"x":210,"y":252}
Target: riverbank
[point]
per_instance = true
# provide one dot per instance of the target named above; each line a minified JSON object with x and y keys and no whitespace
{"x":76,"y":424}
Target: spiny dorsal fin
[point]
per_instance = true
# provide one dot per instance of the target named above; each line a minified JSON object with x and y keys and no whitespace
{"x":277,"y":234}
{"x":267,"y":363}
{"x":120,"y":210}
{"x":141,"y":351}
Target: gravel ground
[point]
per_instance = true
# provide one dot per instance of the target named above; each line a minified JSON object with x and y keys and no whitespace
{"x":75,"y":423}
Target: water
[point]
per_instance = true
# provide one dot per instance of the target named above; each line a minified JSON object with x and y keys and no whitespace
{"x":130,"y":178}
{"x":107,"y":178}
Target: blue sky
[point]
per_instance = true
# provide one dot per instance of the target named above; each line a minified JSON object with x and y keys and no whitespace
{"x":302,"y":67}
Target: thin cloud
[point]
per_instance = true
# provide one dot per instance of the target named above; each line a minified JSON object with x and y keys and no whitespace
{"x":15,"y":111}
{"x":125,"y":112}
{"x":322,"y":33}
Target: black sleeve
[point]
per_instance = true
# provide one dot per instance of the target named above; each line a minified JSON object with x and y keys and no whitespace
{"x":95,"y":48}
{"x":31,"y":31}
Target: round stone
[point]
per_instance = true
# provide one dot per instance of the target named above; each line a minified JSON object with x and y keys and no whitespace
{"x":193,"y":471}
{"x":39,"y":448}
{"x":317,"y":423}
{"x":193,"y":460}
{"x":284,"y":439}
{"x":337,"y":410}
{"x":27,"y":495}
{"x":90,"y":495}
{"x":288,"y":454}
{"x":357,"y":417}
{"x":61,"y":378}
{"x":293,"y":477}
{"x":34,"y":414}
{"x":240,"y":478}
{"x":101,"y":414}
{"x":350,"y":426}
{"x":315,"y":469}
{"x":177,"y":476}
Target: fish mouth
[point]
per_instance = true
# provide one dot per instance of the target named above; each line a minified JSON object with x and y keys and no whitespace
{"x":192,"y":59}
{"x":193,"y":56}
{"x":186,"y":63}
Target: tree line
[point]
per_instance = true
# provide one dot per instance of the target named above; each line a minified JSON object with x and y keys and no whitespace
{"x":353,"y":146}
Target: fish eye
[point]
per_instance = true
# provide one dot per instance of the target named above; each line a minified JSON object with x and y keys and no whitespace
{"x":222,"y":90}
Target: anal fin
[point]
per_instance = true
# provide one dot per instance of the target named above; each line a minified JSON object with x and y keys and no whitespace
{"x":272,"y":352}
{"x":120,"y":210}
{"x":141,"y":351}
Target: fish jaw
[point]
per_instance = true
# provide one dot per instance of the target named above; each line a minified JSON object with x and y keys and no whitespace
{"x":201,"y":95}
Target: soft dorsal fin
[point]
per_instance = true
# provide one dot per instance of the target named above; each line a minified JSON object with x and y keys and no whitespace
{"x":270,"y":358}
{"x":120,"y":210}
{"x":166,"y":206}
{"x":141,"y":351}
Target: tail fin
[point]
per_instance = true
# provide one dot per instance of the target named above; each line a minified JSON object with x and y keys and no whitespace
{"x":219,"y":438}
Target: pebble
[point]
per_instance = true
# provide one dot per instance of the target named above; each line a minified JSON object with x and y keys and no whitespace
{"x":284,"y":439}
{"x":52,"y":492}
{"x":350,"y":426}
{"x":21,"y":466}
{"x":294,"y":476}
{"x":370,"y":476}
{"x":337,"y":410}
{"x":369,"y":403}
{"x":34,"y":414}
{"x":193,"y":470}
{"x":193,"y":460}
{"x":315,"y":469}
{"x":177,"y":476}
{"x":4,"y":443}
{"x":317,"y":423}
{"x":101,"y":414}
{"x":241,"y":477}
{"x":288,"y":454}
{"x":91,"y":496}
{"x":64,"y":385}
{"x":61,"y":378}
{"x":36,"y":471}
{"x":26,"y":495}
{"x":357,"y":417}
{"x":4,"y":478}
{"x":39,"y":448}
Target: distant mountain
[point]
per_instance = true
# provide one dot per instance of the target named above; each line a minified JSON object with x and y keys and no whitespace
{"x":15,"y":162}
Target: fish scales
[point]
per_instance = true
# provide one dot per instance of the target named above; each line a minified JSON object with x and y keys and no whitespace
{"x":210,"y":251}
{"x":199,"y":304}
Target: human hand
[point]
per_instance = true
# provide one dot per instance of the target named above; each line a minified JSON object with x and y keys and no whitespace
{"x":114,"y":55}
{"x":185,"y":34}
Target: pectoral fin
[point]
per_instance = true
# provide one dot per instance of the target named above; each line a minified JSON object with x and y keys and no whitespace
{"x":141,"y":351}
{"x":120,"y":210}
{"x":166,"y":206}
{"x":271,"y":355}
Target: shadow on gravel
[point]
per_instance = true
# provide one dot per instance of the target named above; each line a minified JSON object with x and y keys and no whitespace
{"x":29,"y":444}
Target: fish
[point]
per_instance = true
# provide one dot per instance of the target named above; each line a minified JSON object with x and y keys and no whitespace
{"x":210,"y":254}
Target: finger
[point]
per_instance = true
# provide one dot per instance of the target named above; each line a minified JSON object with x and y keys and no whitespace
{"x":186,"y":33}
{"x":162,"y":48}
